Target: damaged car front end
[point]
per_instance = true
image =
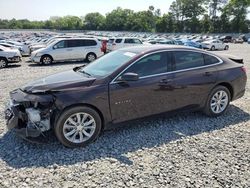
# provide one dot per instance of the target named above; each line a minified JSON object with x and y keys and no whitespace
{"x":29,"y":114}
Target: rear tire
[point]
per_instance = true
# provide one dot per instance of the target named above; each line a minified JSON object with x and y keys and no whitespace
{"x":226,"y":47}
{"x":217,"y":102}
{"x":91,"y":57}
{"x":3,"y":63}
{"x":78,"y":127}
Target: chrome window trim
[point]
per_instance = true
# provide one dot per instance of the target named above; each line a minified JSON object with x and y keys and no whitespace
{"x":172,"y":72}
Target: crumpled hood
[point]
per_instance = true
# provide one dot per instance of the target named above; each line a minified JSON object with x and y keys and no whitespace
{"x":58,"y":82}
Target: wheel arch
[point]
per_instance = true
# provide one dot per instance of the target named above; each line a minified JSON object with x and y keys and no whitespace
{"x":58,"y":113}
{"x":91,"y":53}
{"x":2,"y":57}
{"x":229,"y":87}
{"x":46,"y":55}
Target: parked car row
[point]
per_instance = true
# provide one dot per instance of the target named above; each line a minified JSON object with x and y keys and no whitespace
{"x":48,"y":47}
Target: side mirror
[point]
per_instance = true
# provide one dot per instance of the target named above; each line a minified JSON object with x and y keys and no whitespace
{"x":54,"y":47}
{"x":129,"y":77}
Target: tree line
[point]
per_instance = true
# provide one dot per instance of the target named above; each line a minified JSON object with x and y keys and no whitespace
{"x":192,"y":16}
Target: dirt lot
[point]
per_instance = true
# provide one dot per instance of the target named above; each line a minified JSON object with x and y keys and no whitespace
{"x":187,"y":150}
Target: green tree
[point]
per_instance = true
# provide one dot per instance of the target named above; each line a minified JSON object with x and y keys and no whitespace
{"x":165,"y":23}
{"x":205,"y":23}
{"x":117,"y":19}
{"x":238,"y":9}
{"x":94,"y":21}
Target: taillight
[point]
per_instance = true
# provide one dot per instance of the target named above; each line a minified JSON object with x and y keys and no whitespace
{"x":244,"y":69}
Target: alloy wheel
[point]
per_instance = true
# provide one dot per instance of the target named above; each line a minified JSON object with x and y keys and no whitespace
{"x":91,"y":57}
{"x":79,"y":128}
{"x":46,"y":60}
{"x":2,"y":63}
{"x":219,"y":102}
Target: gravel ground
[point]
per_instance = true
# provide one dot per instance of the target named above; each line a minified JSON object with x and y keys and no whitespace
{"x":186,"y":150}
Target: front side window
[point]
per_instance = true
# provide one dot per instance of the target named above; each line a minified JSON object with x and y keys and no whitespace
{"x":61,"y":44}
{"x":118,"y":40}
{"x":89,"y":42}
{"x":129,"y":41}
{"x":186,"y":60}
{"x":150,"y":65}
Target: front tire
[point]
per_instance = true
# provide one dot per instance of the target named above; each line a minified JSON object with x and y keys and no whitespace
{"x":212,"y":48}
{"x":46,"y":60}
{"x":226,"y":47}
{"x":78,"y":127}
{"x":3,"y":63}
{"x":217,"y":102}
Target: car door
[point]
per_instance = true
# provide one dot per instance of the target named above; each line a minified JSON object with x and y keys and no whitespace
{"x":151,"y":94}
{"x":221,"y":45}
{"x":74,"y":49}
{"x":61,"y":51}
{"x":193,"y":78}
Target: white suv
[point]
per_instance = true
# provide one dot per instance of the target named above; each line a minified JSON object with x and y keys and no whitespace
{"x":68,"y":49}
{"x":8,"y":55}
{"x":117,"y":43}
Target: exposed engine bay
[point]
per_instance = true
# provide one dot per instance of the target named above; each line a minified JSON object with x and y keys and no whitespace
{"x":29,"y":115}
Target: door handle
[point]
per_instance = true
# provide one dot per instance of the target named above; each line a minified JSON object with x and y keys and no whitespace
{"x":69,"y":49}
{"x":208,"y":74}
{"x":166,"y":81}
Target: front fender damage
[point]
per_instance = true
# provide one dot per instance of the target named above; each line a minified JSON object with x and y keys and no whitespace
{"x":29,"y":114}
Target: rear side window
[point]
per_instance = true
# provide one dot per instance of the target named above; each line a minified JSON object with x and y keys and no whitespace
{"x":90,"y":43}
{"x":186,"y":60}
{"x":118,"y":40}
{"x":72,"y":43}
{"x":150,"y":65}
{"x":210,"y":60}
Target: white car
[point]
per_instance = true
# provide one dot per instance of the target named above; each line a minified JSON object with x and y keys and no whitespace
{"x":8,"y":55}
{"x":36,"y":46}
{"x":23,"y":47}
{"x":215,"y":45}
{"x":117,"y":43}
{"x":67,"y":50}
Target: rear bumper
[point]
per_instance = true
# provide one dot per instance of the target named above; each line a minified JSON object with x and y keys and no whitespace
{"x":239,"y":95}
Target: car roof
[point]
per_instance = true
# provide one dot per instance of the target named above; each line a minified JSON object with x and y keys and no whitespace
{"x":77,"y":39}
{"x":154,"y":48}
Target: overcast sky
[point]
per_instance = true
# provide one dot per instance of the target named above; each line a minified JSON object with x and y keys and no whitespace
{"x":44,"y":9}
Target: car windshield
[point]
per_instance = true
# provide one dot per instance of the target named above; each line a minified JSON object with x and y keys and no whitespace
{"x":107,"y":64}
